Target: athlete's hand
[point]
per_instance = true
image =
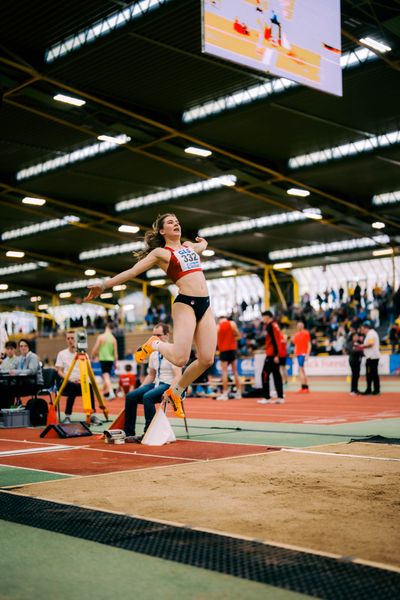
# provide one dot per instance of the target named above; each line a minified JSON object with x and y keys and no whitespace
{"x":201,"y":240}
{"x":94,"y":292}
{"x":198,"y":246}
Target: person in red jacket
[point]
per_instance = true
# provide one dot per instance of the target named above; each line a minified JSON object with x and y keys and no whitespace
{"x":271,"y":364}
{"x":228,"y":334}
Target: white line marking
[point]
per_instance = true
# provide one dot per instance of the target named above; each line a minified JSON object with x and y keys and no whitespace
{"x":298,"y":451}
{"x":143,"y":454}
{"x":57,"y":448}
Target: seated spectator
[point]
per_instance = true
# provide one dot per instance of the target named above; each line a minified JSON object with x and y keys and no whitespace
{"x":337,"y":344}
{"x":10,"y":361}
{"x":29,"y":365}
{"x":161,"y":375}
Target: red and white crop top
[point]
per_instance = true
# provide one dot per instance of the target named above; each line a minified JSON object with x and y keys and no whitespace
{"x":183,"y":261}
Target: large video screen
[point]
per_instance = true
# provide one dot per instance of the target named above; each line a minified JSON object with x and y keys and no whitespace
{"x":296,"y":39}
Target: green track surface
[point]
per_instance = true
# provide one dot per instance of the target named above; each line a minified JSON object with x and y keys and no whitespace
{"x":9,"y":476}
{"x":66,"y":568}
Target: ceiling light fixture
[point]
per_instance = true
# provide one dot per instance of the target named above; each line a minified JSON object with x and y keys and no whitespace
{"x":229,"y":273}
{"x":90,"y":272}
{"x":208,"y":253}
{"x":106,"y":295}
{"x":313,"y":213}
{"x":76,"y":285}
{"x":20,"y":268}
{"x":198,"y":151}
{"x":329,"y":248}
{"x":119,"y":288}
{"x":275,"y":86}
{"x":375,"y":44}
{"x":69,"y":100}
{"x":383,"y":252}
{"x":128,"y":228}
{"x":386,"y":198}
{"x":35,"y":298}
{"x":3,"y":286}
{"x":43,"y":306}
{"x":158,"y":282}
{"x":33,"y":201}
{"x":65,"y":295}
{"x":13,"y":294}
{"x":39,"y":227}
{"x":15,"y":254}
{"x":69,"y":158}
{"x":284,"y":265}
{"x":101,"y":28}
{"x":259,"y":223}
{"x":378,"y":225}
{"x":111,"y":250}
{"x":298,"y":192}
{"x":120,"y":140}
{"x":178,"y":192}
{"x":337,"y":152}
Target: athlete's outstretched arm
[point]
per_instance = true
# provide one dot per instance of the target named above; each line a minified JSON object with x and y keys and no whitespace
{"x":198,"y":246}
{"x":142,"y":265}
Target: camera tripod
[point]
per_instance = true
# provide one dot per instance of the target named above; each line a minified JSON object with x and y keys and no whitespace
{"x":85,"y":374}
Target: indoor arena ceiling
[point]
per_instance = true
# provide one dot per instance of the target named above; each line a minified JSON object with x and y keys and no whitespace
{"x":145,"y":80}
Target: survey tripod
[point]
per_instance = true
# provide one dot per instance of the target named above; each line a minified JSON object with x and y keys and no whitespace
{"x":85,"y":374}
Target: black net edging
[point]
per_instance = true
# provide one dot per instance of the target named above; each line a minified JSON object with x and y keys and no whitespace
{"x":302,"y":572}
{"x":376,"y":439}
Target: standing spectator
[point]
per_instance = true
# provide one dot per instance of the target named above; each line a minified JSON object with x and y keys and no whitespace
{"x":73,"y":387}
{"x":357,"y":293}
{"x":106,"y":348}
{"x":355,"y":356}
{"x":302,"y":349}
{"x":271,"y":364}
{"x":393,"y":337}
{"x":228,"y":335}
{"x":372,"y":354}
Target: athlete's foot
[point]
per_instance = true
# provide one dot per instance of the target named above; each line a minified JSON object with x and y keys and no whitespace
{"x":145,"y":349}
{"x":176,"y":403}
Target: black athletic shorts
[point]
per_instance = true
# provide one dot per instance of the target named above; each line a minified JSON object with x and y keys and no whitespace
{"x":282,"y":361}
{"x":106,"y":366}
{"x":228,"y":356}
{"x":198,"y":303}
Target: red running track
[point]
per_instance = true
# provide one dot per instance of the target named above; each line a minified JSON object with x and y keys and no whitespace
{"x":315,"y":407}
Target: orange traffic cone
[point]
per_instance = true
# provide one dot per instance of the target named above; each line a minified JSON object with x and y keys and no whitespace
{"x":51,"y":415}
